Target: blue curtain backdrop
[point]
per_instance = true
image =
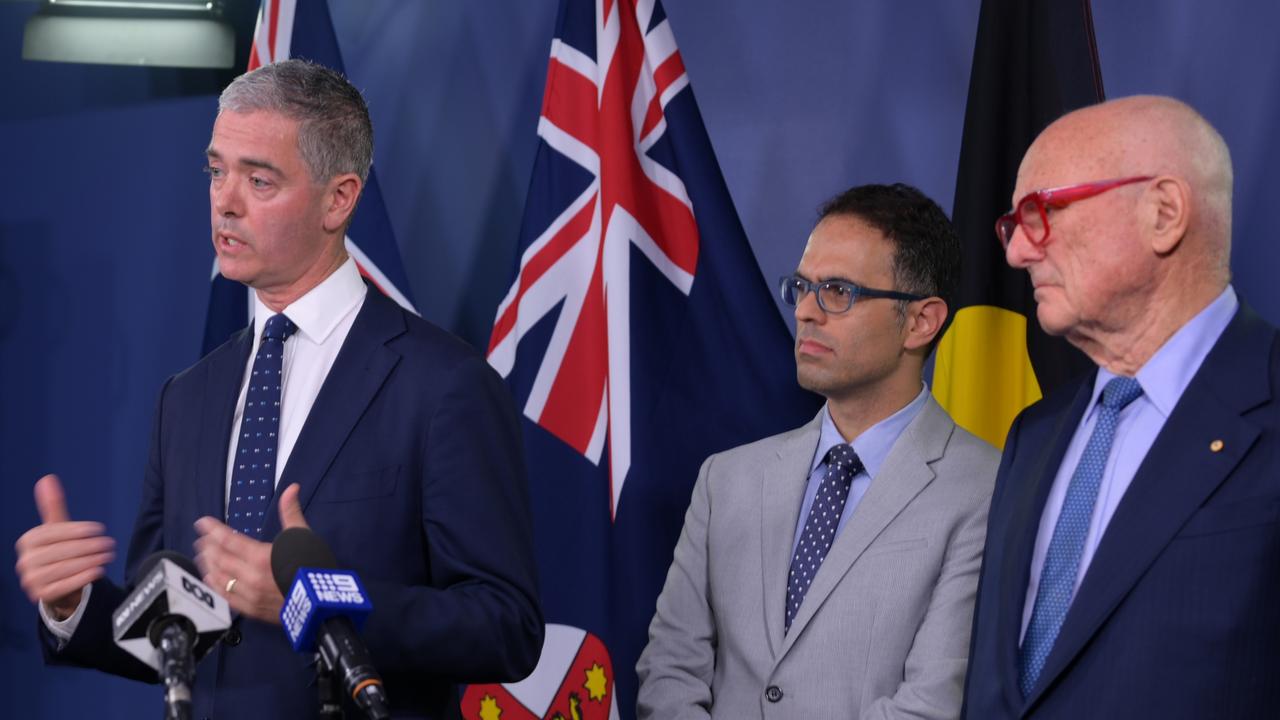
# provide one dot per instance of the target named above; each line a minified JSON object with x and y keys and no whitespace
{"x":104,"y":249}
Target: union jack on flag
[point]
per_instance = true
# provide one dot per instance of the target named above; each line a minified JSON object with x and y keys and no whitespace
{"x":638,"y":336}
{"x":603,"y":113}
{"x":302,"y":28}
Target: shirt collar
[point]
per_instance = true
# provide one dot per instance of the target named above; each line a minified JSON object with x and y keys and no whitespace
{"x":320,"y":310}
{"x":874,"y":444}
{"x":1167,"y":374}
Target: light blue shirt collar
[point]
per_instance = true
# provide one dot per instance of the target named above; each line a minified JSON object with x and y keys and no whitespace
{"x":874,"y":444}
{"x":1169,"y":371}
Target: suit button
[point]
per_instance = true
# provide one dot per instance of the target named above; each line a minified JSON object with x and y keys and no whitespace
{"x":773,"y":693}
{"x":233,"y":637}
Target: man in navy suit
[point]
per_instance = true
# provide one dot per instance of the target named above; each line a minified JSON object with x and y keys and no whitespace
{"x":392,"y":439}
{"x":1132,"y":568}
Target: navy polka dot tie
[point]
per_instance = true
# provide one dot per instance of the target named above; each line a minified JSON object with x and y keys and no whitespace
{"x":253,"y":477}
{"x":820,"y":527}
{"x":1062,"y":561}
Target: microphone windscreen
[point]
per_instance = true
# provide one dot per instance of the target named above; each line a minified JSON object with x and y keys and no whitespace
{"x":294,"y":548}
{"x":154,"y":559}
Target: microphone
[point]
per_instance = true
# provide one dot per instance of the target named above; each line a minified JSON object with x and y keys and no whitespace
{"x":169,"y":620}
{"x":324,"y":608}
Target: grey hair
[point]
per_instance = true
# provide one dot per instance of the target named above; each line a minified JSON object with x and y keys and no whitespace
{"x":335,"y":134}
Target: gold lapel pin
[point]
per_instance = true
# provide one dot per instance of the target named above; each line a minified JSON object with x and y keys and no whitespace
{"x":1216,"y":446}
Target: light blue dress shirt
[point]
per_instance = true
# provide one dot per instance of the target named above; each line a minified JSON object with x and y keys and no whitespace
{"x":872,"y":447}
{"x":1163,"y":378}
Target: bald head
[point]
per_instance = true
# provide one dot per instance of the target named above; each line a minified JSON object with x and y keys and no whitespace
{"x":1148,"y":135}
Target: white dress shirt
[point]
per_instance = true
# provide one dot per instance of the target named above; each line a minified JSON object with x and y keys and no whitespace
{"x":324,"y":317}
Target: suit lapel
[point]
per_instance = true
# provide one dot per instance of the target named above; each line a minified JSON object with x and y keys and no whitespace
{"x":1046,"y":443}
{"x":226,"y":367}
{"x":782,"y":492}
{"x":904,"y":474}
{"x":1174,"y":480}
{"x":361,"y":368}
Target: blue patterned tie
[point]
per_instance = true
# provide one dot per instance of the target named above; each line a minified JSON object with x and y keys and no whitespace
{"x":253,"y":478}
{"x":820,"y":527}
{"x":1062,"y":561}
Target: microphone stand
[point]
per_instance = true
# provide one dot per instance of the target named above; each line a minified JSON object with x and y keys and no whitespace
{"x":330,"y":694}
{"x":177,"y":669}
{"x":372,"y":703}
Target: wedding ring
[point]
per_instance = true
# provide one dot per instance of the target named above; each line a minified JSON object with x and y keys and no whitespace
{"x":231,"y":586}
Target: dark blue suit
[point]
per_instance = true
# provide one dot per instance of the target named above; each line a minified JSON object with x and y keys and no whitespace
{"x":410,"y":466}
{"x":1178,"y":616}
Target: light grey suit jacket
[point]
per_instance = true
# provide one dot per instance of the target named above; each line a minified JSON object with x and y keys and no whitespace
{"x":883,"y":631}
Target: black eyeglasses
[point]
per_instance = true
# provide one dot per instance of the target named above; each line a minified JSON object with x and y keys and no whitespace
{"x":834,"y":296}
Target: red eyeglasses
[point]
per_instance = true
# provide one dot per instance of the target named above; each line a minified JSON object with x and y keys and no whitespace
{"x":1031,"y":213}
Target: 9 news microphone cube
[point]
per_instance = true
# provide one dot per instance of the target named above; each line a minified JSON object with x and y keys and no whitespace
{"x":317,"y":595}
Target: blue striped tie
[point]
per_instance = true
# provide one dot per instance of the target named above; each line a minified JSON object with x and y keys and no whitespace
{"x":253,"y":478}
{"x":1062,"y":561}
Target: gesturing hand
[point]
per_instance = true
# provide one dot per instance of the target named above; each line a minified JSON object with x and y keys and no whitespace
{"x":59,"y":557}
{"x":239,"y":567}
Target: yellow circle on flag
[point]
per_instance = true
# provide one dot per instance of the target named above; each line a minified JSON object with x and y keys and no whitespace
{"x":982,"y":374}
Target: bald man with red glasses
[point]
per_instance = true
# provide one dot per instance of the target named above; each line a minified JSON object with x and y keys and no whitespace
{"x":1132,"y":565}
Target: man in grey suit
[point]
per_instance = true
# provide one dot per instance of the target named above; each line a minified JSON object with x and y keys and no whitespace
{"x":830,"y":571}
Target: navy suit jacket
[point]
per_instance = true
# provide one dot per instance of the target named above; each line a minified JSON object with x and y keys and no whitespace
{"x":1178,"y":616}
{"x":411,"y":468}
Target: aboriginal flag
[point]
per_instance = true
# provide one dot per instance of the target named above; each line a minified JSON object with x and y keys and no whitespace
{"x":1034,"y":60}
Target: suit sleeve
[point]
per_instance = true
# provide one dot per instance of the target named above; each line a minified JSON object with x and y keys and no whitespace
{"x":480,"y":620}
{"x":677,"y":666}
{"x":933,"y":680}
{"x":92,"y":643}
{"x":982,"y":666}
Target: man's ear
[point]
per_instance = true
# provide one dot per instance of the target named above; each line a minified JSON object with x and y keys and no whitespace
{"x":1169,"y":211}
{"x":925,"y":319}
{"x":341,"y":194}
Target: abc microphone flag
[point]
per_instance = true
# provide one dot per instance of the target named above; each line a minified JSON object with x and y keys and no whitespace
{"x":168,"y":591}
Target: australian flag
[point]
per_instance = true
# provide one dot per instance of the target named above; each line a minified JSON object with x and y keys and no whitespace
{"x":638,"y":337}
{"x":303,"y":29}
